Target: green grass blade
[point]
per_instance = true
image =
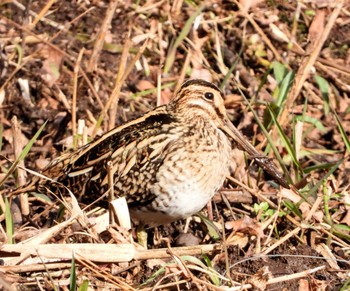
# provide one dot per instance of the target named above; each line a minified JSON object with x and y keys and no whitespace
{"x":229,"y":73}
{"x":213,"y":277}
{"x":184,"y":32}
{"x":162,"y":269}
{"x":153,"y":90}
{"x":323,"y":166}
{"x":23,"y":154}
{"x":268,"y":137}
{"x":212,"y":229}
{"x":346,"y":285}
{"x":312,"y":120}
{"x":284,"y":80}
{"x":73,"y":276}
{"x":324,"y":88}
{"x":284,"y":138}
{"x":9,"y":222}
{"x":342,"y":227}
{"x":279,"y":71}
{"x":84,"y":286}
{"x":293,"y":208}
{"x":313,"y":190}
{"x":342,"y":131}
{"x":157,"y":273}
{"x":20,"y":54}
{"x":284,"y":88}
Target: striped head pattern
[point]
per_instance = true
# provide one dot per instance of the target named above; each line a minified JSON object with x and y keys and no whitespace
{"x":199,"y":98}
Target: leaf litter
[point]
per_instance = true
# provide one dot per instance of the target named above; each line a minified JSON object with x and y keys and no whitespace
{"x":131,"y":58}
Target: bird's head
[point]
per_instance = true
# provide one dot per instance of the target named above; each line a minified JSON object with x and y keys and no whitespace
{"x":201,"y":99}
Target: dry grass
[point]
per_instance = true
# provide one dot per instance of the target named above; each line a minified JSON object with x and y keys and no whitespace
{"x":285,"y":71}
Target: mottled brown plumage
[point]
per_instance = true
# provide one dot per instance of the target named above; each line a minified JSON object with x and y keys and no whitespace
{"x":167,"y":163}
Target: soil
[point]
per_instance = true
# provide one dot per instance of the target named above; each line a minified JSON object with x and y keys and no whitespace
{"x":46,"y":56}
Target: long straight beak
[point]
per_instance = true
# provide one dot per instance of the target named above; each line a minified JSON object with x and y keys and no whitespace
{"x":264,"y":162}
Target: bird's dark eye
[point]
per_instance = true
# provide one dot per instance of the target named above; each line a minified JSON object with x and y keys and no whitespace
{"x":209,"y":96}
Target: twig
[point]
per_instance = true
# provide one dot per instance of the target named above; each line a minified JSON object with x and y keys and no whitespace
{"x":176,"y":7}
{"x":101,"y":35}
{"x":282,"y":240}
{"x":21,"y":179}
{"x":107,"y":276}
{"x":324,"y":250}
{"x":294,"y":276}
{"x":184,"y":69}
{"x":261,"y":32}
{"x":35,"y":267}
{"x":224,"y":244}
{"x":91,"y":87}
{"x":74,"y":97}
{"x":118,"y":82}
{"x":41,"y":14}
{"x":43,"y":19}
{"x":280,"y":279}
{"x":111,"y":191}
{"x":116,"y":90}
{"x":306,"y":65}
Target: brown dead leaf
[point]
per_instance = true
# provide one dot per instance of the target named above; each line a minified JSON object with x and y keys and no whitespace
{"x":304,"y":208}
{"x":165,"y":97}
{"x":289,"y":194}
{"x":41,"y":163}
{"x":346,"y":218}
{"x":100,"y":223}
{"x":121,"y":211}
{"x":303,"y":285}
{"x":143,"y":85}
{"x":51,"y":66}
{"x":8,"y":136}
{"x":232,"y":99}
{"x":317,"y":27}
{"x":233,"y":196}
{"x":238,"y":239}
{"x":245,"y":225}
{"x":248,"y":4}
{"x":48,"y":102}
{"x":197,"y":55}
{"x":119,"y":234}
{"x":318,"y":215}
{"x":260,"y":279}
{"x":237,"y":166}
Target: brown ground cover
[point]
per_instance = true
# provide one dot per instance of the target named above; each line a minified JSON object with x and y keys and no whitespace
{"x":283,"y":63}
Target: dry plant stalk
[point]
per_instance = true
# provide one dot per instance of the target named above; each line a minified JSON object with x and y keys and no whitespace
{"x":307,"y":63}
{"x":41,"y":14}
{"x":101,"y":35}
{"x":118,"y":82}
{"x":74,"y":97}
{"x":21,"y":174}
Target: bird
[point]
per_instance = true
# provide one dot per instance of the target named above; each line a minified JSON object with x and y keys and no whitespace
{"x":167,"y":163}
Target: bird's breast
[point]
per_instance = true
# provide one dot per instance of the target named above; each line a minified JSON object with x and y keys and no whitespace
{"x":193,"y":170}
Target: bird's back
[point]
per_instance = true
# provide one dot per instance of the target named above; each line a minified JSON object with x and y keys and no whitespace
{"x":119,"y":151}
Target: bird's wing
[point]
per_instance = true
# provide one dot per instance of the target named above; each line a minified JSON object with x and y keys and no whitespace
{"x":115,"y":153}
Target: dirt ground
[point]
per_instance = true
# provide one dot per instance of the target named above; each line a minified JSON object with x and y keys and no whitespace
{"x":64,"y":61}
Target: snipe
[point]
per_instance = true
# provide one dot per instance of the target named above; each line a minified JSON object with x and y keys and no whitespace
{"x":167,"y":163}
